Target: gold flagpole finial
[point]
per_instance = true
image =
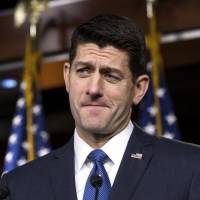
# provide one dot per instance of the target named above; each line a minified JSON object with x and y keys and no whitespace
{"x":20,"y":14}
{"x":30,"y":10}
{"x":36,"y":8}
{"x":149,"y":7}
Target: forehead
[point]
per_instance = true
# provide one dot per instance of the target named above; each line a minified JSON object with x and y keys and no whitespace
{"x":90,"y":52}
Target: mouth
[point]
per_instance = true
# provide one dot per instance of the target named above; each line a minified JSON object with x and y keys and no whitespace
{"x":94,"y":105}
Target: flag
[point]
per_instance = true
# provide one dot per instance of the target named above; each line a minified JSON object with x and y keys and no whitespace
{"x":28,"y":139}
{"x":156,"y":114}
{"x":148,"y":110}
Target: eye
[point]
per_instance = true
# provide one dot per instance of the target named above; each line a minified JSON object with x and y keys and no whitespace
{"x":112,"y":78}
{"x":83,"y":72}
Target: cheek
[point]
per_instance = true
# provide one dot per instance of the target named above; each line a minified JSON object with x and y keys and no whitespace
{"x":76,"y":92}
{"x":73,"y":95}
{"x":121,"y":94}
{"x":74,"y":87}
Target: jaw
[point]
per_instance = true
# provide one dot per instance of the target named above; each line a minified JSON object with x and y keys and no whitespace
{"x":96,"y":132}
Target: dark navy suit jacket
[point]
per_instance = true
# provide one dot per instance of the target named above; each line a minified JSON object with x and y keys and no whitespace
{"x":168,"y":170}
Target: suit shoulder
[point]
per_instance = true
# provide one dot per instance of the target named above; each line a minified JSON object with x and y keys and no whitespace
{"x":169,"y":145}
{"x":178,"y":153}
{"x":38,"y":165}
{"x":168,"y":150}
{"x":177,"y":146}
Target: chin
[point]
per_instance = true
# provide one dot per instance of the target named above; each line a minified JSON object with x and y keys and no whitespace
{"x":95,"y":128}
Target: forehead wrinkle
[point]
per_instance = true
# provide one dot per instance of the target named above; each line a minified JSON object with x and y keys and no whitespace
{"x":103,"y":53}
{"x":93,"y":54}
{"x":107,"y":52}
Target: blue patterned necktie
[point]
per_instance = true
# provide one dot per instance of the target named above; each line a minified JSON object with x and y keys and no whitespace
{"x":98,"y":157}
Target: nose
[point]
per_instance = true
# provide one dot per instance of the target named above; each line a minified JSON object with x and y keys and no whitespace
{"x":95,"y":86}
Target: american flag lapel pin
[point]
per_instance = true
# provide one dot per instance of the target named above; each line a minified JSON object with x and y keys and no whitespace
{"x":138,"y":156}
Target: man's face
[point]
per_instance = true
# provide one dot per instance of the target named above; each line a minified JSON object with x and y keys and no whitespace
{"x":101,"y":90}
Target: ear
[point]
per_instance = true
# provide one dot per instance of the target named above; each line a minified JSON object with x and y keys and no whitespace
{"x":140,"y":88}
{"x":66,"y":72}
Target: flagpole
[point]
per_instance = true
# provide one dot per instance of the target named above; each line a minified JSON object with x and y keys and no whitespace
{"x":153,"y":41}
{"x":29,"y":103}
{"x":32,"y":10}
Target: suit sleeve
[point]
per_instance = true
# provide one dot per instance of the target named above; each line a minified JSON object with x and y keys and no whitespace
{"x":3,"y":186}
{"x":195,"y":187}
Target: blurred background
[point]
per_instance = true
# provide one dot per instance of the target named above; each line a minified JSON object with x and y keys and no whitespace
{"x":181,"y":59}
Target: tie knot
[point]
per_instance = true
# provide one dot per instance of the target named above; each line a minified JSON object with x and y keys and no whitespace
{"x":97,"y":156}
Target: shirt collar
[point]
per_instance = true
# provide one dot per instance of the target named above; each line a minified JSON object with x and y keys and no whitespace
{"x":114,"y":148}
{"x":81,"y":149}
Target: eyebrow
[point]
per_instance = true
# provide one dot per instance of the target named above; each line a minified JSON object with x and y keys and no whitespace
{"x":107,"y":69}
{"x":103,"y":69}
{"x":86,"y":64}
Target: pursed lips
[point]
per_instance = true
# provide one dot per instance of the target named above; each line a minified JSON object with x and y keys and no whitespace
{"x":94,"y":105}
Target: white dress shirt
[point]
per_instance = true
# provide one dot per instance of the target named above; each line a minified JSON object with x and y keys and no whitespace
{"x":114,"y":148}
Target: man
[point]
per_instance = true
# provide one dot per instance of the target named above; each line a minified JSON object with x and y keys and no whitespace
{"x":109,"y":157}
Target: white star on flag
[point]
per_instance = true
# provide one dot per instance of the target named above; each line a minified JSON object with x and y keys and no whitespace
{"x":168,"y":135}
{"x":20,"y":102}
{"x":17,"y":120}
{"x":152,"y":110}
{"x":160,"y":92}
{"x":9,"y":157}
{"x":150,"y":129}
{"x":42,"y":152}
{"x":21,"y":161}
{"x":44,"y":135}
{"x":25,"y":145}
{"x":23,"y":86}
{"x":149,"y":66}
{"x":170,"y":118}
{"x":13,"y":138}
{"x":36,"y":109}
{"x":34,"y":128}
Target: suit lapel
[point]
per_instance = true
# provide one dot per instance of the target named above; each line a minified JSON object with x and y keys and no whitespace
{"x":62,"y":175}
{"x":132,"y":169}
